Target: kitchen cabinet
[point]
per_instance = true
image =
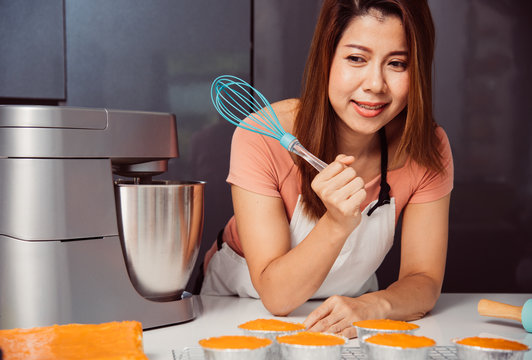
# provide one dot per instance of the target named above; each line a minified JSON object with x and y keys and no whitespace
{"x":32,"y":50}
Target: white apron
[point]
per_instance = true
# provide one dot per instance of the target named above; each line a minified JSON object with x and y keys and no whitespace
{"x":352,"y":274}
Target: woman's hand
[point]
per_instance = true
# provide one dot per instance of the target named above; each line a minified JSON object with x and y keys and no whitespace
{"x":342,"y":193}
{"x":338,"y":313}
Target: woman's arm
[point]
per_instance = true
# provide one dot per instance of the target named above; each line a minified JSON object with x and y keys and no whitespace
{"x":283,"y":277}
{"x":423,"y":255}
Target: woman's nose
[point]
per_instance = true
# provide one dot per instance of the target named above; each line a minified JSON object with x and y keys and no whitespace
{"x":374,"y":80}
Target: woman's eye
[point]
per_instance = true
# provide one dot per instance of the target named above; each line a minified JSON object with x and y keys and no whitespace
{"x":355,"y":59}
{"x":400,"y":65}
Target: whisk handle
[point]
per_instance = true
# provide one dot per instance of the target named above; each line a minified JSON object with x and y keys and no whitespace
{"x":292,"y":144}
{"x":298,"y":149}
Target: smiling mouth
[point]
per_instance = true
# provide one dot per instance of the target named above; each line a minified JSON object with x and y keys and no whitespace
{"x":370,"y":106}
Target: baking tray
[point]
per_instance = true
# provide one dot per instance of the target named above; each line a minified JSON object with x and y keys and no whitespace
{"x":348,"y":353}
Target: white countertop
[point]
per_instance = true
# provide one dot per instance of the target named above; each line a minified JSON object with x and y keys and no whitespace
{"x":455,"y":315}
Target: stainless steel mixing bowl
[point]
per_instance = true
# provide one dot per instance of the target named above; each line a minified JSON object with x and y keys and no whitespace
{"x":160,"y":226}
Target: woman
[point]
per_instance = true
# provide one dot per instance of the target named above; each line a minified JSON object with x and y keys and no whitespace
{"x":365,"y":109}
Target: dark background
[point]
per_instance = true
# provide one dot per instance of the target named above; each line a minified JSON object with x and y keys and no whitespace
{"x":162,"y":55}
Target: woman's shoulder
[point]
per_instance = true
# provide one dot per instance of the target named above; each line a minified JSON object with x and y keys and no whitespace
{"x":286,"y":111}
{"x":247,"y":143}
{"x":444,"y":145}
{"x":441,"y":145}
{"x":259,"y":163}
{"x":441,"y":134}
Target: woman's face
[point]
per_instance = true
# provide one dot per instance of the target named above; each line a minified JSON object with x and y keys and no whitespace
{"x":369,"y":79}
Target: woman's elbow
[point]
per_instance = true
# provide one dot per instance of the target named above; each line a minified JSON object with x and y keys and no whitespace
{"x":431,"y":299}
{"x":277,"y":305}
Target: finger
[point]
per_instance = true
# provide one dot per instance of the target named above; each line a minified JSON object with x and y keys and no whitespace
{"x":327,"y":324}
{"x":357,"y":198}
{"x":349,"y":332}
{"x":342,"y":180}
{"x":340,"y":163}
{"x":351,"y":187}
{"x":319,"y":313}
{"x":330,"y":171}
{"x":330,"y":323}
{"x":329,"y":181}
{"x":349,"y":199}
{"x":339,"y":326}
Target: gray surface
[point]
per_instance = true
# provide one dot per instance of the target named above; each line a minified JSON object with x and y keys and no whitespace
{"x":32,"y":64}
{"x":454,"y":316}
{"x":282,"y":36}
{"x":480,"y":98}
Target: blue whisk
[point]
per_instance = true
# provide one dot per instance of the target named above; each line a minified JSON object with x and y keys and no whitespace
{"x":236,"y":101}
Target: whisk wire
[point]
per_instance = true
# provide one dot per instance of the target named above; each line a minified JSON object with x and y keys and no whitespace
{"x":236,"y":100}
{"x":261,"y":113}
{"x":220,"y":102}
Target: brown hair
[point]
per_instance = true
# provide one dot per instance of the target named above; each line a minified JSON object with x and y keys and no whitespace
{"x":316,"y":121}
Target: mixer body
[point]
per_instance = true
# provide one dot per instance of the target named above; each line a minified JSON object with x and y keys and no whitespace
{"x":63,"y":258}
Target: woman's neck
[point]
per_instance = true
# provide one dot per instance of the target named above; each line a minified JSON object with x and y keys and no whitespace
{"x":368,"y":146}
{"x":358,"y":145}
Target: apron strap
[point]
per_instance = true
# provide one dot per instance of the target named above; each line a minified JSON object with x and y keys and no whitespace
{"x":384,"y":193}
{"x":220,"y":239}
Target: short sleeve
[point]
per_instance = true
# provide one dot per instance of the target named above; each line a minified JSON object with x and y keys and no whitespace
{"x":434,"y":185}
{"x":253,"y":162}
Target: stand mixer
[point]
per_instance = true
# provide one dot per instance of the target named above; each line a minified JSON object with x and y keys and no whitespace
{"x":76,"y":246}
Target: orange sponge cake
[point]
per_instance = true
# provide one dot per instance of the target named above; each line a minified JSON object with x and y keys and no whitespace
{"x":271,"y":325}
{"x":386,"y":324}
{"x":109,"y":341}
{"x":493,"y":343}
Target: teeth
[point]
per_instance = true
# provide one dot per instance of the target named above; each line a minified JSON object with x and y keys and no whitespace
{"x":370,"y":107}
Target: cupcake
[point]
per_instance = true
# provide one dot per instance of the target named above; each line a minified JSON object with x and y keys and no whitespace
{"x":386,"y":346}
{"x":372,"y":327}
{"x":306,"y":345}
{"x":489,"y":348}
{"x":271,"y":329}
{"x":235,"y":348}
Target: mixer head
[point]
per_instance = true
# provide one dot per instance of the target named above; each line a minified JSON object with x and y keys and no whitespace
{"x":141,"y":173}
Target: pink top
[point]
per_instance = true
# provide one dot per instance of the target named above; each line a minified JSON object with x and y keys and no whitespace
{"x":261,"y":165}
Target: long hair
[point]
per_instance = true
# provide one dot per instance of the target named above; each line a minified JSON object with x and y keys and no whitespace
{"x":316,"y":122}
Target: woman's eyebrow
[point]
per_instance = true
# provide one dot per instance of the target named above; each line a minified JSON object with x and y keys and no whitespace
{"x":360,"y":47}
{"x":366,"y":49}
